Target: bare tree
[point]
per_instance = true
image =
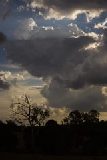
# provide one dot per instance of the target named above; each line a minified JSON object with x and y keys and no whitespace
{"x":24,"y":112}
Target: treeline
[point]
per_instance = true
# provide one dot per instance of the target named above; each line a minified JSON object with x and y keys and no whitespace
{"x":79,"y":133}
{"x":30,"y":130}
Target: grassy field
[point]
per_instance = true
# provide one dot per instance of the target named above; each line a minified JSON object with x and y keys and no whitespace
{"x":8,"y":156}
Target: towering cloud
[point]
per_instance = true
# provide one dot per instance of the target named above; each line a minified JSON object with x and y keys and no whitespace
{"x":74,"y":74}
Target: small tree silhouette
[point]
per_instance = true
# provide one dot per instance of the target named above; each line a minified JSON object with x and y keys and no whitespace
{"x":94,"y":116}
{"x":51,"y":123}
{"x":74,"y":117}
{"x":11,"y":123}
{"x":24,"y":112}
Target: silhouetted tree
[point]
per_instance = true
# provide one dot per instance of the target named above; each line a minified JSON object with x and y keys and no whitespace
{"x":23,"y":111}
{"x":74,"y":117}
{"x":91,"y":117}
{"x":94,"y":116}
{"x":51,"y":123}
{"x":11,"y":123}
{"x":39,"y":115}
{"x":2,"y":123}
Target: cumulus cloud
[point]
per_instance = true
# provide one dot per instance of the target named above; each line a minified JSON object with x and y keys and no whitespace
{"x":66,"y":4}
{"x":91,"y":72}
{"x":25,"y":28}
{"x":57,"y":9}
{"x":62,"y":4}
{"x":69,"y":9}
{"x":49,"y":56}
{"x":102,"y":25}
{"x":82,"y":99}
{"x":57,"y":59}
{"x":75,"y":75}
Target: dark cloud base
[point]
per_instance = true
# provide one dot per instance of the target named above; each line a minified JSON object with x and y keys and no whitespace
{"x":75,"y":73}
{"x":78,"y":4}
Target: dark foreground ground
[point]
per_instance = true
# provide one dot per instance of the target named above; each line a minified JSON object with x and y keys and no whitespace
{"x":10,"y":156}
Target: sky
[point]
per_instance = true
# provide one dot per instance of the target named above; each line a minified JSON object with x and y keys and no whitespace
{"x":55,"y":51}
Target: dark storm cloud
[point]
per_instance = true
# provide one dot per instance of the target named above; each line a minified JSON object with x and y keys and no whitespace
{"x":72,"y":70}
{"x":75,"y":4}
{"x":50,"y":56}
{"x":63,"y":6}
{"x":83,"y":99}
{"x":68,"y":5}
{"x":84,"y":89}
{"x":93,"y":72}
